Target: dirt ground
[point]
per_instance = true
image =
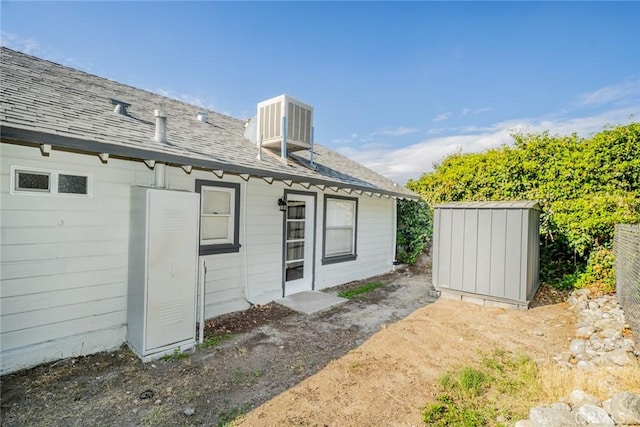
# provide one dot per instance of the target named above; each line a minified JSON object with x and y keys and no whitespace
{"x":386,"y":376}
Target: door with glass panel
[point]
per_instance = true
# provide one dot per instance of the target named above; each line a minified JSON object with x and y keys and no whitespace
{"x":298,"y":243}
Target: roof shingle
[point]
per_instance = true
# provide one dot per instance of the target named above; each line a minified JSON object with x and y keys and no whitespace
{"x":41,"y":99}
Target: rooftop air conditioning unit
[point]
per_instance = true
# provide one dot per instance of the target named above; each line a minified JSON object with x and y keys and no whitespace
{"x":285,"y":124}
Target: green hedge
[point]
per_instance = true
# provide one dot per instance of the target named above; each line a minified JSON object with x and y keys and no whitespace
{"x":584,"y":185}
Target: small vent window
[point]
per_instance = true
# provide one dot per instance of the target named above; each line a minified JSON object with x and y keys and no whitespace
{"x":72,"y":184}
{"x":27,"y":180}
{"x":32,"y":181}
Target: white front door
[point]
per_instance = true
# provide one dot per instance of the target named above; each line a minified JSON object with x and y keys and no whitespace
{"x":299,"y":243}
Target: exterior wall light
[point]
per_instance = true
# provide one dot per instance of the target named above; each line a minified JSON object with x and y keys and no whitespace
{"x":282,"y":204}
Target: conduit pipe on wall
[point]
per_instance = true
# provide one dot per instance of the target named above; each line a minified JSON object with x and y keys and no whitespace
{"x":160,"y":170}
{"x":203,"y":274}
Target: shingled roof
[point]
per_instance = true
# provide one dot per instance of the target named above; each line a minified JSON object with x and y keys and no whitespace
{"x":47,"y":103}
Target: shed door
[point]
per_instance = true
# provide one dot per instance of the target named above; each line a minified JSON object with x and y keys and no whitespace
{"x":298,"y":244}
{"x":172,"y":263}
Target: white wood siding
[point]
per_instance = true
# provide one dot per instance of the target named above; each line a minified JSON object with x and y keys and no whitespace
{"x":63,"y":259}
{"x":376,"y":233}
{"x":264,"y":241}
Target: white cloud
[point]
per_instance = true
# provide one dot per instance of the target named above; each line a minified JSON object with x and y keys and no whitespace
{"x":188,"y":98}
{"x":387,"y":131}
{"x":467,"y":111}
{"x":399,"y":131}
{"x":15,"y":42}
{"x":441,"y":117}
{"x":411,"y":161}
{"x":33,"y":47}
{"x":629,"y":90}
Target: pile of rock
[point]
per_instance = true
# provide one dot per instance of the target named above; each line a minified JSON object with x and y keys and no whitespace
{"x":585,"y":410}
{"x":600,"y":335}
{"x":600,"y":342}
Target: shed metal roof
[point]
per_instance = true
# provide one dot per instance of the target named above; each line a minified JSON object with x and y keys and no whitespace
{"x":47,"y":103}
{"x":520,"y":204}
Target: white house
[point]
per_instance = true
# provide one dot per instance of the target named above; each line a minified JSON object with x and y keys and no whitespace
{"x":121,"y":209}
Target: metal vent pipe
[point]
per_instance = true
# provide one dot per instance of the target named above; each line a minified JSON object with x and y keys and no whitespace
{"x":161,"y":126}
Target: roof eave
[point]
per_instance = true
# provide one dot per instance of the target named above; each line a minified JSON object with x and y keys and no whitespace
{"x":36,"y":137}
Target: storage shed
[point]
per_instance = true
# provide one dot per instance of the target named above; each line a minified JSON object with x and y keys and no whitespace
{"x":487,"y":252}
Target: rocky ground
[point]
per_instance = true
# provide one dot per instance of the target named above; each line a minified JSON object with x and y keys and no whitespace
{"x":603,"y":341}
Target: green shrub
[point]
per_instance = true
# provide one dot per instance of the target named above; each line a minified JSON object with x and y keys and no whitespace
{"x":600,"y":274}
{"x":414,"y":229}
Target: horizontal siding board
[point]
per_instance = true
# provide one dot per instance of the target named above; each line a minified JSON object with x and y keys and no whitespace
{"x":96,"y":263}
{"x":222,"y":261}
{"x":28,"y":252}
{"x":93,"y":248}
{"x":94,"y":234}
{"x":28,"y":218}
{"x":52,"y":202}
{"x":267,"y":277}
{"x":222,"y":295}
{"x":36,"y":318}
{"x":273,"y":239}
{"x":53,"y":331}
{"x":38,"y":284}
{"x":99,"y":218}
{"x":14,"y":270}
{"x":106,"y":339}
{"x":226,"y":306}
{"x":88,"y":294}
{"x":264,"y":267}
{"x":223,"y":274}
{"x":24,"y":303}
{"x":29,"y":235}
{"x":56,"y":267}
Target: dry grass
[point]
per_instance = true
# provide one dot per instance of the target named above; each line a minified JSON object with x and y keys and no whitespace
{"x":558,"y":382}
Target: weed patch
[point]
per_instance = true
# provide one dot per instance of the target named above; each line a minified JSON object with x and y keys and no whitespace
{"x":229,"y":417}
{"x":352,"y":293}
{"x":501,"y":388}
{"x":176,"y":355}
{"x":214,"y":341}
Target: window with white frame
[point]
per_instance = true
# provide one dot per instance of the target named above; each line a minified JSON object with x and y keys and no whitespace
{"x":42,"y":181}
{"x":340,"y":229}
{"x":219,"y":216}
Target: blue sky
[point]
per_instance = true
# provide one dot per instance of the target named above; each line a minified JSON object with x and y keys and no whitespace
{"x":395,"y":85}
